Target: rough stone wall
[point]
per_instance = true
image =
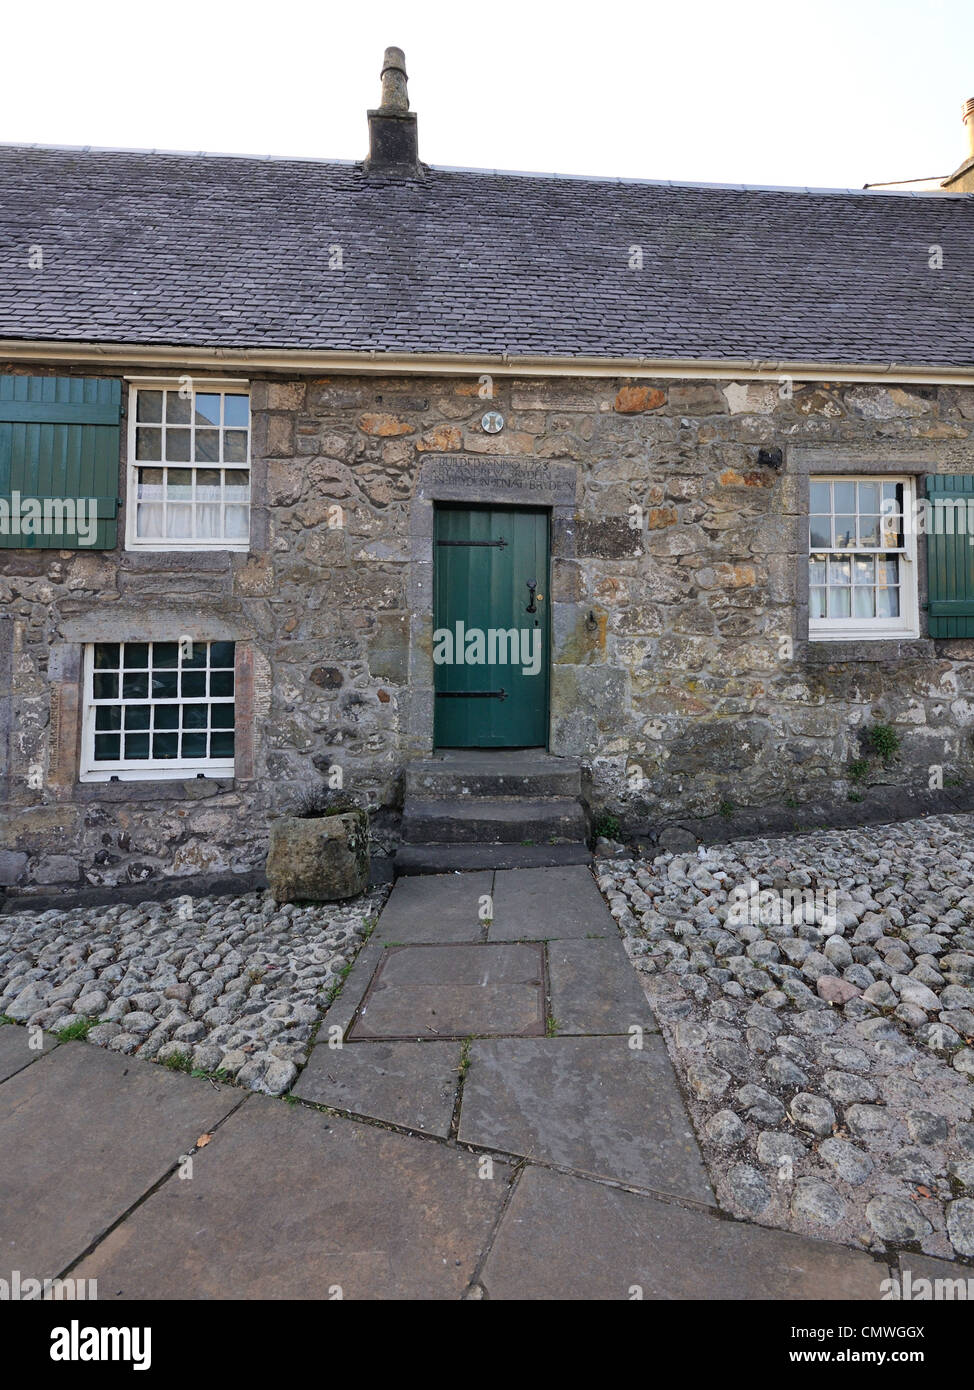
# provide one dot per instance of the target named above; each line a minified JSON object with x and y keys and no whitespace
{"x":671,"y":679}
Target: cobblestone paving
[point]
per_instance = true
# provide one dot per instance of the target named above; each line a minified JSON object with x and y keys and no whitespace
{"x":817,"y":997}
{"x":217,"y":984}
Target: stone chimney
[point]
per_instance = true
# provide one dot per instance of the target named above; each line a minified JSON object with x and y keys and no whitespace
{"x":393,"y":141}
{"x":968,"y":118}
{"x":962,"y":179}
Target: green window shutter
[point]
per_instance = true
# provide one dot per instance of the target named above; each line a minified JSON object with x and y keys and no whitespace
{"x":59,"y":442}
{"x":950,"y":554}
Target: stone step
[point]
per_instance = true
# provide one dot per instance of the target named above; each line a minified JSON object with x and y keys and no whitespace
{"x":493,"y":820}
{"x":476,"y":773}
{"x":448,"y":859}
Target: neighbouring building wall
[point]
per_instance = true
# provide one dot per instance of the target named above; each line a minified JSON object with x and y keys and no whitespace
{"x":682,"y":675}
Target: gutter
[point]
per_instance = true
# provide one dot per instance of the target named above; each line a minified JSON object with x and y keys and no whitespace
{"x":304,"y":361}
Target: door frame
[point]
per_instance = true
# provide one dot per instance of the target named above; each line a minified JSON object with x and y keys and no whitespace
{"x":545,"y":583}
{"x":470,"y":480}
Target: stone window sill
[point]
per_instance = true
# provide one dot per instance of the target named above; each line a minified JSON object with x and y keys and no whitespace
{"x":193,"y":789}
{"x":893,"y":649}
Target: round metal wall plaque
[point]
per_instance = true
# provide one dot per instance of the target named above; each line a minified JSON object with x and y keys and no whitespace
{"x":493,"y":422}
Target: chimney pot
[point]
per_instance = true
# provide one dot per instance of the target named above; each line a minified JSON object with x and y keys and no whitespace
{"x":394,"y":94}
{"x":968,"y":119}
{"x":393,"y":140}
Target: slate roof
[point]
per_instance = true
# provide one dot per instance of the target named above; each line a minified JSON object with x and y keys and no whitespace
{"x":204,"y":250}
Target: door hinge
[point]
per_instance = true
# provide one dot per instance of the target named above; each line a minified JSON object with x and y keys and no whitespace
{"x":471,"y":694}
{"x":498,"y":545}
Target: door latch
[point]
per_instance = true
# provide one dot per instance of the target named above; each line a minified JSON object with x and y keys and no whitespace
{"x":532,"y":606}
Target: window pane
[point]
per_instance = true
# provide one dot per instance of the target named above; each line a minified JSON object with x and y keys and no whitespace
{"x":237,"y":523}
{"x":179,"y":520}
{"x":177,"y":409}
{"x":222,"y":715}
{"x":106,"y":747}
{"x":208,"y":522}
{"x":889,"y":570}
{"x":816,"y":603}
{"x":150,"y":484}
{"x":208,"y":446}
{"x":165,"y":717}
{"x":864,"y":606}
{"x":844,"y":497}
{"x":148,"y":444}
{"x":194,"y":745}
{"x":869,"y":530}
{"x":136,"y":656}
{"x":135,"y":686}
{"x":221,"y":683}
{"x":207,"y":409}
{"x":165,"y":745}
{"x":179,"y":484}
{"x":820,"y":532}
{"x":839,"y":603}
{"x":235,"y":446}
{"x":845,"y":532}
{"x":149,"y":520}
{"x":887,"y":603}
{"x":193,"y":684}
{"x":221,"y":745}
{"x":892,"y":530}
{"x":177,"y":446}
{"x":106,"y":656}
{"x":108,"y":717}
{"x":165,"y":654}
{"x":136,"y":745}
{"x":196,"y":656}
{"x":236,"y":410}
{"x":817,"y":570}
{"x":864,"y":568}
{"x":221,"y":654}
{"x":869,"y":497}
{"x":195,"y":716}
{"x":819,"y":497}
{"x":137,"y":716}
{"x":148,"y":406}
{"x":165,"y":685}
{"x":237,"y":485}
{"x":840,"y":571}
{"x":105,"y":686}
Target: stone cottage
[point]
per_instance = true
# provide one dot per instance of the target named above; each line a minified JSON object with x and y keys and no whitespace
{"x":647,"y":498}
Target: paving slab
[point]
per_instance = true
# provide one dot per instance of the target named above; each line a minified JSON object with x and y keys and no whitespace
{"x":591,"y":1104}
{"x":15,"y":1050}
{"x":548,"y":904}
{"x":413,"y":1084}
{"x":563,"y":1237}
{"x":915,"y":1267}
{"x":594,"y":988}
{"x":455,"y":991}
{"x":435,"y":908}
{"x":84,"y":1133}
{"x":290,"y":1203}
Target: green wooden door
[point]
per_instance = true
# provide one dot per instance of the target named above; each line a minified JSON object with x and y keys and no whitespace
{"x":491,"y":632}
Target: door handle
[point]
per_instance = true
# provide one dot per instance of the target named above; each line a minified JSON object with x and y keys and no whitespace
{"x":532,"y":606}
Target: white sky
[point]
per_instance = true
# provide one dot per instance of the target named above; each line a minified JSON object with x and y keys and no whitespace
{"x":829,"y":93}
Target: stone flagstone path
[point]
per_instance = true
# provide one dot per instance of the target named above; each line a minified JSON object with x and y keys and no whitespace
{"x":489,"y":1112}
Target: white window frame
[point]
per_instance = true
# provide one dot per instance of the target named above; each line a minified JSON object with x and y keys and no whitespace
{"x":200,"y":386}
{"x":854,"y":629}
{"x":143,"y":769}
